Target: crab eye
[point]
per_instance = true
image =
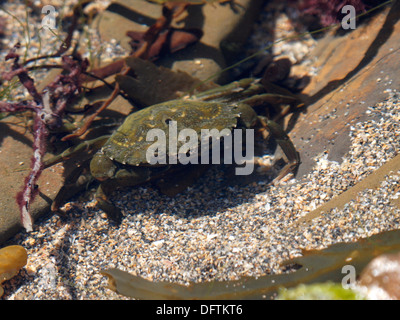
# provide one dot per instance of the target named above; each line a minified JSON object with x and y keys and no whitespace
{"x":167,"y":121}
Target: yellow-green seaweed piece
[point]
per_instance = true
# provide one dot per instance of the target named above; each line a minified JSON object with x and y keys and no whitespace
{"x":319,"y":291}
{"x":12,"y":259}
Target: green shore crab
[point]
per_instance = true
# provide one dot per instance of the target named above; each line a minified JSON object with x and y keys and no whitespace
{"x":121,"y":161}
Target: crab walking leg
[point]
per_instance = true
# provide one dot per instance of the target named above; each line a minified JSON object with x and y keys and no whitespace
{"x":90,"y":145}
{"x":238,"y":87}
{"x":271,"y":98}
{"x":113,"y":213}
{"x":125,"y":178}
{"x":79,"y":180}
{"x":122,"y":178}
{"x":283,"y":140}
{"x":291,"y":102}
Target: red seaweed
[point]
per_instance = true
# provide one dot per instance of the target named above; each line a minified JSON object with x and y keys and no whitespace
{"x":329,"y":11}
{"x":49,"y":107}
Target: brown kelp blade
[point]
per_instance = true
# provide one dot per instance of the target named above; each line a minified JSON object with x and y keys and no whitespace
{"x":315,"y":266}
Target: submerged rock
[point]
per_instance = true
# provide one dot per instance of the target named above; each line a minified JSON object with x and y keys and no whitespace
{"x":381,"y":277}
